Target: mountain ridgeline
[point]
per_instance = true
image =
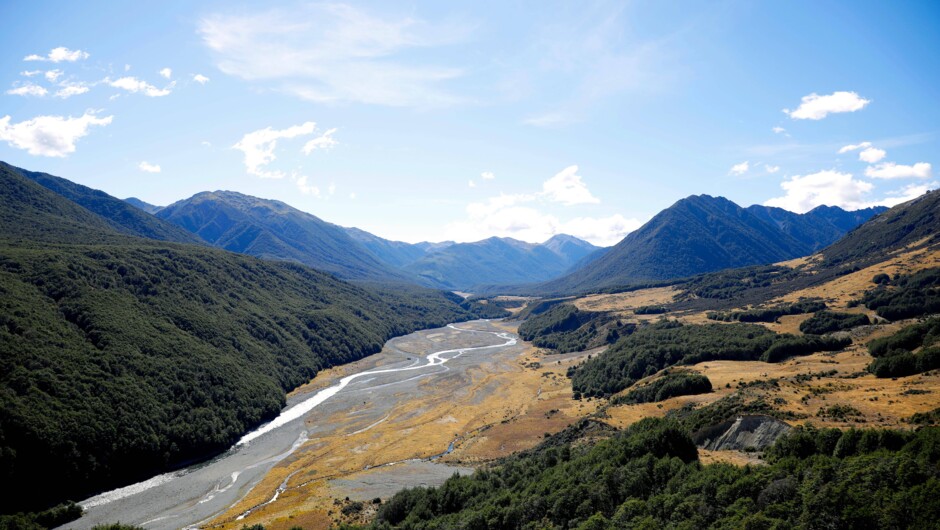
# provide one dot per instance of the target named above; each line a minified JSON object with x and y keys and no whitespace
{"x":499,"y":261}
{"x":701,"y":234}
{"x":118,"y":214}
{"x":273,"y":230}
{"x":125,"y":356}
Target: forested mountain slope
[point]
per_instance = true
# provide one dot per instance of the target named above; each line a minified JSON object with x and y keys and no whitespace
{"x":701,"y":234}
{"x":500,"y":261}
{"x":124,"y":356}
{"x":120,"y":215}
{"x":273,"y":230}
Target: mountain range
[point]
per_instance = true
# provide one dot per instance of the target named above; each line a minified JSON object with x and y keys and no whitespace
{"x":273,"y":230}
{"x":499,"y":261}
{"x":695,"y":235}
{"x":125,"y":356}
{"x":702,"y":234}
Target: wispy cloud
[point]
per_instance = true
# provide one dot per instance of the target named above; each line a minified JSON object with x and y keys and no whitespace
{"x":29,"y":89}
{"x":324,"y":142}
{"x":53,"y":136}
{"x":335,"y":53}
{"x":147,"y":167}
{"x":134,"y":85}
{"x":258,"y":147}
{"x":890,"y":170}
{"x":58,"y":55}
{"x":201,"y":79}
{"x":816,"y":107}
{"x":740,"y":169}
{"x":589,"y":58}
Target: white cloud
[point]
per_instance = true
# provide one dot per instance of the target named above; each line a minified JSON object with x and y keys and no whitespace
{"x":829,"y":187}
{"x":352,"y":196}
{"x":911,"y":191}
{"x":331,"y":189}
{"x":28,"y":89}
{"x":166,"y":73}
{"x":853,"y":147}
{"x":867,"y":154}
{"x":503,"y":217}
{"x":567,"y":188}
{"x":127,"y":68}
{"x":324,"y":142}
{"x":740,"y":169}
{"x":201,"y":79}
{"x":522,"y":215}
{"x":771,"y":169}
{"x":603,"y":231}
{"x":487,"y":175}
{"x":30,"y":73}
{"x":872,"y":155}
{"x":58,"y":55}
{"x":328,"y":52}
{"x":71,"y":89}
{"x":52,"y":75}
{"x":306,"y":189}
{"x":778,"y":130}
{"x":147,"y":167}
{"x":890,"y":170}
{"x":471,"y":184}
{"x":132,"y":84}
{"x":816,"y":107}
{"x":53,"y":136}
{"x":258,"y":147}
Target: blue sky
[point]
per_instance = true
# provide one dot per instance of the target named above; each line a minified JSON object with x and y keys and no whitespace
{"x":448,"y":120}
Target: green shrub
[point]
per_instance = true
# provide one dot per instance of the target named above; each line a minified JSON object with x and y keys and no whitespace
{"x":829,"y":321}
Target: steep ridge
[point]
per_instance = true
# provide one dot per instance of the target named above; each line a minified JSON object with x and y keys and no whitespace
{"x":145,"y":206}
{"x":273,"y":230}
{"x":914,"y":222}
{"x":702,"y":234}
{"x":500,"y":261}
{"x":120,"y":215}
{"x":31,"y":214}
{"x":124,"y":356}
{"x":395,"y":253}
{"x":816,"y":228}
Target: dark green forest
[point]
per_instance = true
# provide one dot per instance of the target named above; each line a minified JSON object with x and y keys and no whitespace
{"x":767,"y":314}
{"x":911,"y":350}
{"x":670,"y":385}
{"x":829,"y":321}
{"x":649,"y":476}
{"x":121,"y":361}
{"x":565,"y":328}
{"x":906,"y":296}
{"x":654,"y":347}
{"x":124,"y":356}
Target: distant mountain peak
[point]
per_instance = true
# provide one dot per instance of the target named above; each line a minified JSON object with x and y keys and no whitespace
{"x":274,"y":230}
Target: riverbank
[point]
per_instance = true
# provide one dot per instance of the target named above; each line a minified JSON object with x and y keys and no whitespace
{"x":487,"y":405}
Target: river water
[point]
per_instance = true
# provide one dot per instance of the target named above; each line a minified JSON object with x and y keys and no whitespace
{"x":194,"y":495}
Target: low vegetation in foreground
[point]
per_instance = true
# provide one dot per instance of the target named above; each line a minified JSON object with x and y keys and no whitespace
{"x":649,"y":476}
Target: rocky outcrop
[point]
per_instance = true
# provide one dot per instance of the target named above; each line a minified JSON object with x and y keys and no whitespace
{"x":742,"y":433}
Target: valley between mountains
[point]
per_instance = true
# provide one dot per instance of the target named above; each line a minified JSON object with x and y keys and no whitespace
{"x":228,"y":362}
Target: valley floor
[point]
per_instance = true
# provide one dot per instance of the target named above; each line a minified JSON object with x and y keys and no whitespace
{"x":489,"y":404}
